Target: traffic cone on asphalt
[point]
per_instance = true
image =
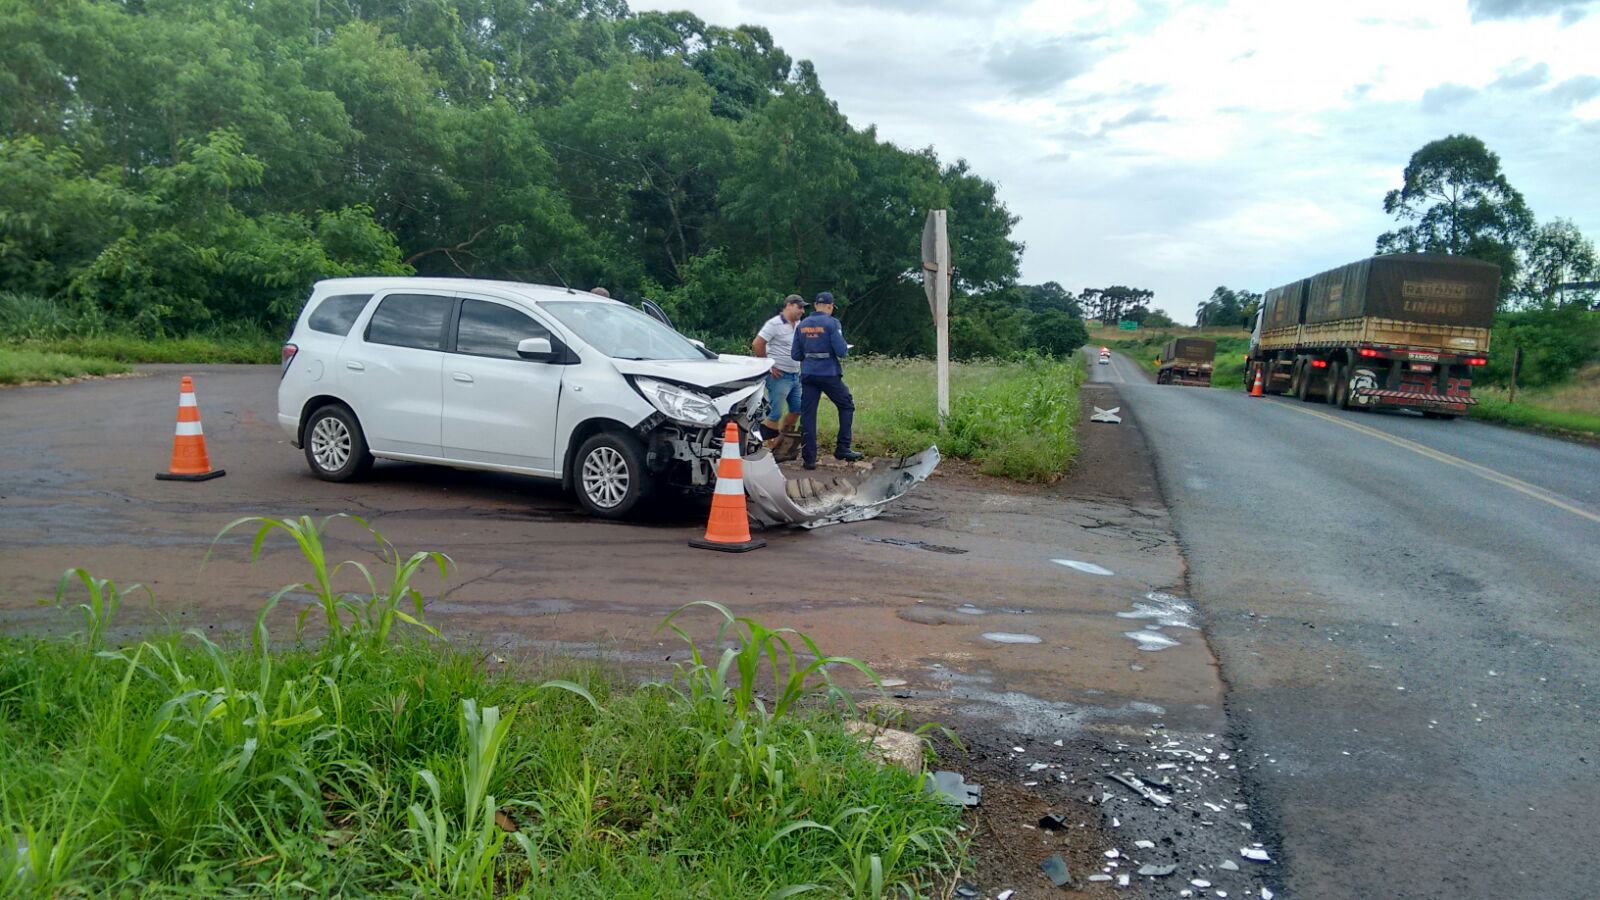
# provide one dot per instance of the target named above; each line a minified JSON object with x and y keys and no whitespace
{"x":1256,"y":390}
{"x":189,"y":459}
{"x":728,"y":529}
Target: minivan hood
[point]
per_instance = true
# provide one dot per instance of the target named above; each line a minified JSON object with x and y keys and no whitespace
{"x":698,"y":372}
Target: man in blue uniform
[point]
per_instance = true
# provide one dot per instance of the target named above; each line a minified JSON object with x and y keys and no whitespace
{"x":819,"y":345}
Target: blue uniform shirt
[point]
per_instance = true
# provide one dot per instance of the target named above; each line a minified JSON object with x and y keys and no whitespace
{"x":819,"y":345}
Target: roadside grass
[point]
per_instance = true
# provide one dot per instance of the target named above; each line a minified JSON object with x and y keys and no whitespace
{"x":371,"y":757}
{"x":21,"y":365}
{"x":196,"y":349}
{"x":1014,"y":419}
{"x":37,"y":324}
{"x":1530,"y":412}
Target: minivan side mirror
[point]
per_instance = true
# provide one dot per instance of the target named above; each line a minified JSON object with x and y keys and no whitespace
{"x":536,"y":348}
{"x":700,"y":344}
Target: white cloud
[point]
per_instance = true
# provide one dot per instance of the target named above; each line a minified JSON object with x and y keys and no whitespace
{"x":1178,"y":146}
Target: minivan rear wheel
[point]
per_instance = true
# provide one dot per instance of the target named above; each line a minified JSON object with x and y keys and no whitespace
{"x":336,"y":449}
{"x":609,"y":475}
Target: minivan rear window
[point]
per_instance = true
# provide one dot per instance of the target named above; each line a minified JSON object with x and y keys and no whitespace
{"x":336,"y":314}
{"x":410,"y":320}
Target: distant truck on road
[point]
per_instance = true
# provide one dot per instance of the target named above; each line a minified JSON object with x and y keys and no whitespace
{"x":1405,"y":331}
{"x":1186,"y":361}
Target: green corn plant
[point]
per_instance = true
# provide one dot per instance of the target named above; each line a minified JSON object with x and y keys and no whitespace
{"x":306,"y":532}
{"x":368,"y":620}
{"x":736,"y":721}
{"x":105,"y":599}
{"x":382,"y":608}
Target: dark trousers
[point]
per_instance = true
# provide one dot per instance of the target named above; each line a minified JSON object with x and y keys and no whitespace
{"x":812,"y":387}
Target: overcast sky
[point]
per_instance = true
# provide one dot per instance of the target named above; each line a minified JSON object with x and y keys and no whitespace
{"x":1181,"y":146}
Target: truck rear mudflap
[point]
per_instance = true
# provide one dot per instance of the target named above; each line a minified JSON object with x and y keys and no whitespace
{"x":1447,"y":403}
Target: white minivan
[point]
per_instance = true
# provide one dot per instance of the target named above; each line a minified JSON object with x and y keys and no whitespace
{"x":523,"y":378}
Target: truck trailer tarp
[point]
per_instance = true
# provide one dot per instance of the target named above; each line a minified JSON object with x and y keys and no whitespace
{"x":1197,"y":350}
{"x":1432,"y":289}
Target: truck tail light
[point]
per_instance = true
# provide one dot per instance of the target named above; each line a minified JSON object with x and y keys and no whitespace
{"x":1319,"y":364}
{"x":1367,"y":351}
{"x":289,"y":350}
{"x":1477,"y":361}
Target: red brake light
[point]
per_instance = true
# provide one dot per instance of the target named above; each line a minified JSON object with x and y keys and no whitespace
{"x":1367,"y":351}
{"x":1477,"y":361}
{"x":1319,"y":364}
{"x":289,"y":350}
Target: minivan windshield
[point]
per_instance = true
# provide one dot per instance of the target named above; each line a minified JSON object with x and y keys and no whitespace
{"x":620,"y":331}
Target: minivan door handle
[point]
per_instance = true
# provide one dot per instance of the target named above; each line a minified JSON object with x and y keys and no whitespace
{"x":353,"y":364}
{"x":462,"y":377}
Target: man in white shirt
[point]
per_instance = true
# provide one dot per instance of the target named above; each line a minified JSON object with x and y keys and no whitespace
{"x":773,"y":341}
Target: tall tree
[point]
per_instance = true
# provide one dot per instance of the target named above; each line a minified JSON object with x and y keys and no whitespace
{"x":1115,"y":302}
{"x":1456,"y":200}
{"x":1557,"y":254}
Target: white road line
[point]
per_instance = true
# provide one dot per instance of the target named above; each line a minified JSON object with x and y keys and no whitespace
{"x":1484,"y":472}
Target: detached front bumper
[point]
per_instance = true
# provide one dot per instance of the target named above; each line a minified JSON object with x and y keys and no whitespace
{"x":811,"y":502}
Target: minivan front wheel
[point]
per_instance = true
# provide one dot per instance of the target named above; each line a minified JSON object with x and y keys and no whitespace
{"x":336,"y":450}
{"x":609,"y":475}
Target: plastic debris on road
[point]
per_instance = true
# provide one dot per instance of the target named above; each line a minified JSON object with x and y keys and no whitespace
{"x":1255,"y":853}
{"x":1082,"y":566}
{"x":1155,"y":871}
{"x":1055,"y":869}
{"x":1108,"y":416}
{"x":952,"y":788}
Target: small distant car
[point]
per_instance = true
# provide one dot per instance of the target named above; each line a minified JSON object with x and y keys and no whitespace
{"x":1105,"y":357}
{"x":523,"y":378}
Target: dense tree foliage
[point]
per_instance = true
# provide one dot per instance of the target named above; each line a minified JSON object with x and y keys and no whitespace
{"x":1226,"y":306}
{"x":1455,"y":199}
{"x":179,"y":162}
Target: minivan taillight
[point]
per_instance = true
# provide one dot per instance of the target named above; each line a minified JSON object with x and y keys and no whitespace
{"x":289,"y":350}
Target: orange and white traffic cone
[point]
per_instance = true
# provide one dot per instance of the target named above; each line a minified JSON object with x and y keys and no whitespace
{"x":189,"y":459}
{"x":728,"y":529}
{"x":1256,"y":391}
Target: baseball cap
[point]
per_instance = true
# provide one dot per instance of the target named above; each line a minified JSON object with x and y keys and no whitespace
{"x":823,"y":297}
{"x":794,"y":300}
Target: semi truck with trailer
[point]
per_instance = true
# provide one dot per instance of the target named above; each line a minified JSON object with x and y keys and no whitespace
{"x":1186,"y":361}
{"x":1404,"y":331}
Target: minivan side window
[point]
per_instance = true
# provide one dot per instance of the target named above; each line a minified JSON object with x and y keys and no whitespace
{"x":335,"y":315}
{"x":410,"y":320}
{"x":489,"y":329}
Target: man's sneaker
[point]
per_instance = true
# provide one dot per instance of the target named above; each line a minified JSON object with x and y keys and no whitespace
{"x":848,"y":455}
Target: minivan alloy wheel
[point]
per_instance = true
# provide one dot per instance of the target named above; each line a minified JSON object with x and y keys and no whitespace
{"x":330,"y":443}
{"x":605,"y":476}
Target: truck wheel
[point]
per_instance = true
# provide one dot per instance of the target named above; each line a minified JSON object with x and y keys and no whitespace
{"x":1302,"y":385}
{"x":335,"y":447}
{"x":1342,"y":400}
{"x":1330,"y":394}
{"x":609,"y":475}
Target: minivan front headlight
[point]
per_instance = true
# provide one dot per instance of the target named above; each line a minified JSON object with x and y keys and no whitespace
{"x":679,"y":403}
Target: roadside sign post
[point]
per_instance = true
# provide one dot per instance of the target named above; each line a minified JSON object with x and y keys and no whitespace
{"x":936,"y":283}
{"x":1127,"y":325}
{"x":1516,"y":365}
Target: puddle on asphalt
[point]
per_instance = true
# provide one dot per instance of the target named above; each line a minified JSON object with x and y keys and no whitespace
{"x":919,"y":545}
{"x":1165,"y":609}
{"x":1026,"y":714}
{"x":1150,"y":639}
{"x":1009,"y":637}
{"x":967,"y":609}
{"x":1081,"y":566}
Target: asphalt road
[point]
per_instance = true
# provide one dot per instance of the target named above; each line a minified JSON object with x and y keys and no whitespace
{"x":1405,"y":615}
